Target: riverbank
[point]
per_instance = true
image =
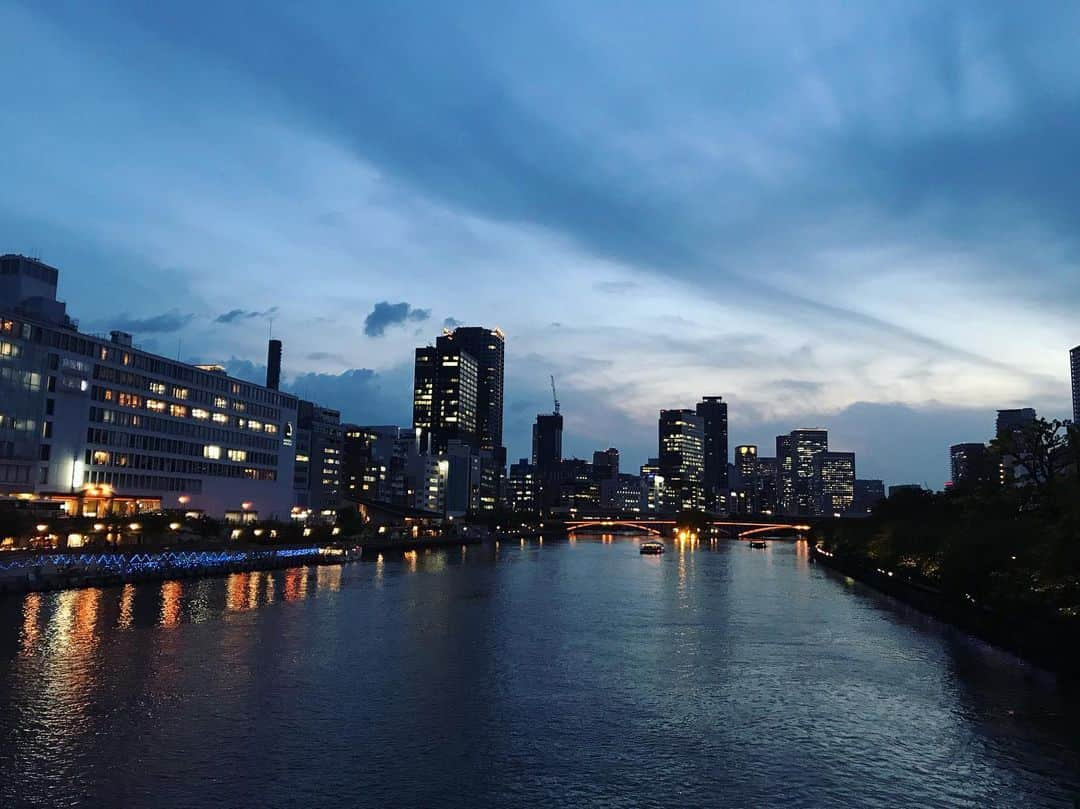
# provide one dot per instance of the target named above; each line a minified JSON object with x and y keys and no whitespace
{"x":38,"y":571}
{"x":1051,"y":642}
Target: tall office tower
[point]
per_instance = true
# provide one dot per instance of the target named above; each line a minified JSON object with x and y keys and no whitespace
{"x":713,"y":411}
{"x":444,"y":396}
{"x":488,"y":348}
{"x":547,"y":442}
{"x":1074,"y":361}
{"x":785,"y":475}
{"x":606,"y":464}
{"x":972,"y":466}
{"x":681,"y":436}
{"x":273,"y":364}
{"x":367,"y":462}
{"x":806,"y":444}
{"x":868,"y":493}
{"x":746,"y":467}
{"x":767,"y":485}
{"x":833,"y":484}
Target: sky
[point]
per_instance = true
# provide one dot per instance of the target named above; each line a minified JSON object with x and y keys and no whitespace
{"x":862,"y":217}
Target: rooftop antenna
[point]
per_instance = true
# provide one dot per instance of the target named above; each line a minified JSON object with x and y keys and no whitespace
{"x":553,"y":395}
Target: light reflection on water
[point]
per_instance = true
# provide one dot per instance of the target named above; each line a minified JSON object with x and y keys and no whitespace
{"x":559,"y":673}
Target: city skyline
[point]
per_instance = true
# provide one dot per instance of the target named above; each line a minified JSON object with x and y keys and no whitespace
{"x":191,"y":210}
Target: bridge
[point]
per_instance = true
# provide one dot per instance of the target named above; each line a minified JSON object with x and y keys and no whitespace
{"x":732,"y":528}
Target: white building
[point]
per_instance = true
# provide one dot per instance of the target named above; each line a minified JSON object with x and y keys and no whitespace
{"x":105,"y":427}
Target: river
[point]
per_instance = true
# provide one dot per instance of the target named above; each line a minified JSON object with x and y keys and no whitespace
{"x":555,"y":673}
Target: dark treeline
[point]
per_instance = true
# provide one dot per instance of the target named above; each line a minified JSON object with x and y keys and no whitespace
{"x":1010,"y":542}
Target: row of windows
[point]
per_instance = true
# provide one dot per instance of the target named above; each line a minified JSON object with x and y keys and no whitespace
{"x":73,"y":342}
{"x":15,"y":424}
{"x":156,"y":463}
{"x":137,"y":401}
{"x":13,"y":377}
{"x":154,"y":443}
{"x":138,"y":381}
{"x":9,"y":473}
{"x":145,"y":483}
{"x":100,"y":415}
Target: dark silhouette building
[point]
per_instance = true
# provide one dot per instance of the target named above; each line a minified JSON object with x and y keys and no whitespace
{"x":547,"y":441}
{"x":273,"y":364}
{"x":868,"y":493}
{"x":445,"y":396}
{"x":1074,"y":362}
{"x":785,"y":479}
{"x":714,"y":414}
{"x":806,"y":444}
{"x":973,"y":465}
{"x":606,"y":464}
{"x":749,"y":480}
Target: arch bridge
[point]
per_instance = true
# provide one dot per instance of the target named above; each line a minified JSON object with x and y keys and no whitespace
{"x":734,"y":529}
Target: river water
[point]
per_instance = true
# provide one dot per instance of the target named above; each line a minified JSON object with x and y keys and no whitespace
{"x":562,"y":673}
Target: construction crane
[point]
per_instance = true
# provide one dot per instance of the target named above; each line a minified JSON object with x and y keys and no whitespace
{"x":554,"y":395}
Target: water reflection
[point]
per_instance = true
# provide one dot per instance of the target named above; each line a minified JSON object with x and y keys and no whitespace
{"x":656,"y":666}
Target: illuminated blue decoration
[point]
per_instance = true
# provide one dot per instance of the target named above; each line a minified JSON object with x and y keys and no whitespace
{"x":126,"y":563}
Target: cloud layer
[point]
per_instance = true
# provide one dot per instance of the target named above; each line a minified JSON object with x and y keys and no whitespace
{"x":811,"y":210}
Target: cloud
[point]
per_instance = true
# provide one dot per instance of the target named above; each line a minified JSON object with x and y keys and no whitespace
{"x":319,"y":356}
{"x":235,"y":315}
{"x":452,"y":323}
{"x":170,"y":321}
{"x":385,"y":315}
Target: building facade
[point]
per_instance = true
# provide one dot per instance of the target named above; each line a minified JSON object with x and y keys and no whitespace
{"x":106,"y":427}
{"x":748,"y":484}
{"x":1074,"y":363}
{"x":833,"y":483}
{"x":713,"y":411}
{"x":806,"y":445}
{"x":785,"y":475}
{"x":868,"y":493}
{"x":319,"y":449}
{"x":972,"y":465}
{"x":681,"y":435}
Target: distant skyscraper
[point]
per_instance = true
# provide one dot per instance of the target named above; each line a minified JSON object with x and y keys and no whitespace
{"x":682,"y":461}
{"x":445,"y":396}
{"x":746,"y":466}
{"x":319,"y":450}
{"x":713,"y":411}
{"x":1074,"y":361}
{"x":606,"y":464}
{"x":769,"y":482}
{"x":523,"y":487}
{"x":487,"y":347}
{"x":868,"y":493}
{"x":972,"y":465}
{"x":547,"y":442}
{"x":833,"y":485}
{"x":806,"y":444}
{"x":1009,"y":421}
{"x":785,"y":475}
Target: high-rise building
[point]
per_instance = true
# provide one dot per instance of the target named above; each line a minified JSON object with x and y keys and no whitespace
{"x":785,"y":475}
{"x":107,"y":428}
{"x":547,"y":441}
{"x":445,"y":396}
{"x":714,"y":414}
{"x":652,"y":486}
{"x":1074,"y":361}
{"x":319,"y":449}
{"x":972,"y":465}
{"x":488,"y":348}
{"x":768,"y":489}
{"x":681,"y":436}
{"x":746,"y":468}
{"x":606,"y":464}
{"x":368,"y":462}
{"x":833,"y":483}
{"x":806,"y":444}
{"x":1015,"y":420}
{"x":868,"y":493}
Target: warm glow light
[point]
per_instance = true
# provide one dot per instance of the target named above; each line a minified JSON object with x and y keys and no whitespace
{"x":42,"y":528}
{"x":246,"y":505}
{"x":183,"y":499}
{"x":99,"y":526}
{"x":174,"y":526}
{"x":135,"y":526}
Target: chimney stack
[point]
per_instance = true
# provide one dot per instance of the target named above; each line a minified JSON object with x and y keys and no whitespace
{"x":273,"y":364}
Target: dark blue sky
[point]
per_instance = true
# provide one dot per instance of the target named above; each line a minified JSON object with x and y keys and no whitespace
{"x":856,"y":216}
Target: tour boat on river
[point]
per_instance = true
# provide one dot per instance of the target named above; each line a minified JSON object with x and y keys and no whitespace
{"x":652,"y":547}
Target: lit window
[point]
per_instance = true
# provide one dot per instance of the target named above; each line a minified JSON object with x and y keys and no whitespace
{"x":237,"y":455}
{"x":221,"y":418}
{"x":199,"y":413}
{"x":212,"y":451}
{"x":179,"y":411}
{"x":158,"y":388}
{"x":153,"y":404}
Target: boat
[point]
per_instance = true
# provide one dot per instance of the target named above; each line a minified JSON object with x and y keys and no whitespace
{"x":652,"y":547}
{"x":758,"y":543}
